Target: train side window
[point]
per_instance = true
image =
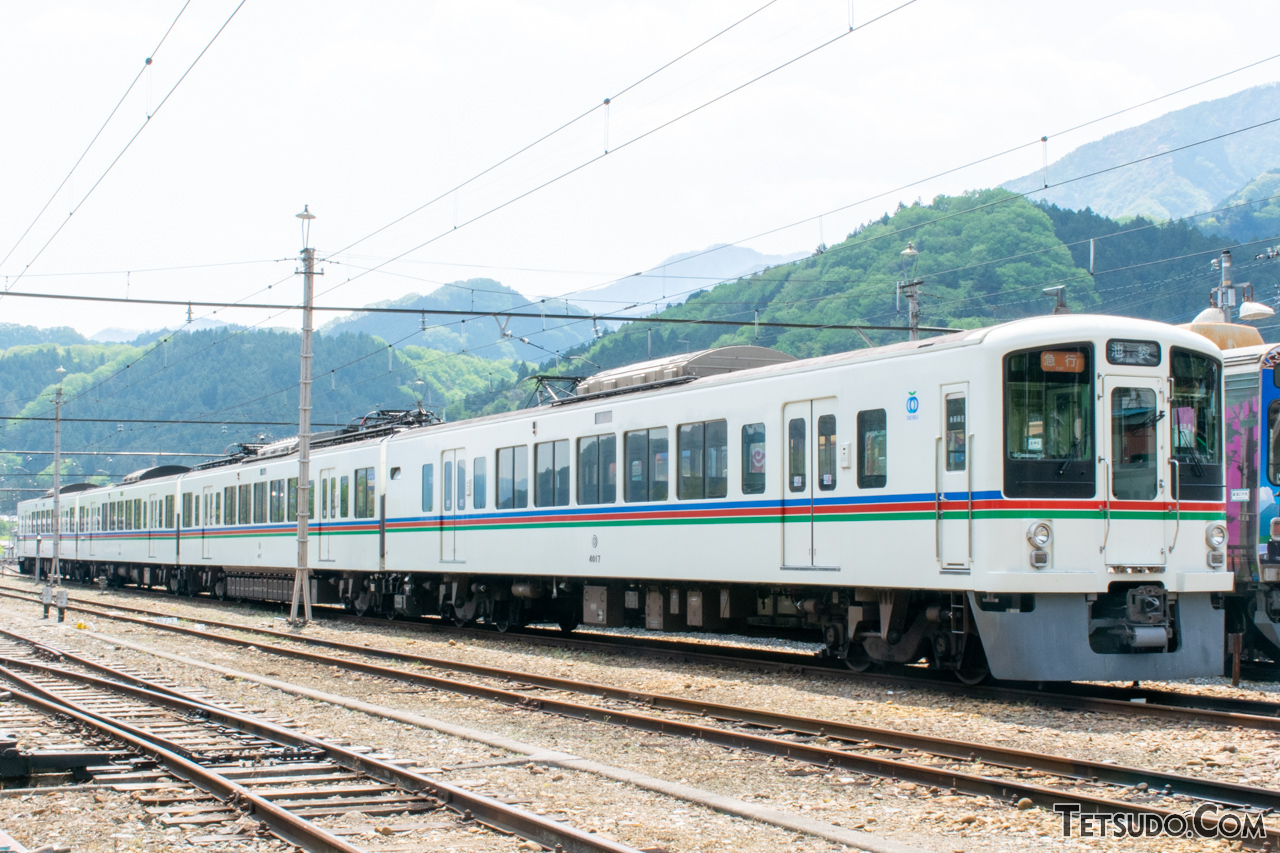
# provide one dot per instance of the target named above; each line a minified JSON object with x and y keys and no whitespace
{"x":480,"y":480}
{"x":1273,"y":442}
{"x":873,"y":449}
{"x":229,"y":503}
{"x":137,"y":514}
{"x":291,"y":509}
{"x":245,"y":504}
{"x":344,"y":502}
{"x":366,"y":507}
{"x":428,"y":487}
{"x":704,"y":460}
{"x":753,"y":459}
{"x":551,"y":473}
{"x":277,"y":501}
{"x":168,"y":512}
{"x":259,"y":503}
{"x":513,"y":477}
{"x":826,"y":452}
{"x":797,"y":466}
{"x":955,"y":441}
{"x":186,"y":509}
{"x":598,"y":469}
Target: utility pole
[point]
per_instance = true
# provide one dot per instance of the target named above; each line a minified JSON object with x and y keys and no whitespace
{"x":57,"y":477}
{"x":910,"y":286}
{"x":1224,"y":297}
{"x":302,"y":577}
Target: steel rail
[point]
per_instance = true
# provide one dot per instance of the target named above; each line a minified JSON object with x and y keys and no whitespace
{"x":281,"y":822}
{"x":825,"y":756}
{"x":472,"y":806}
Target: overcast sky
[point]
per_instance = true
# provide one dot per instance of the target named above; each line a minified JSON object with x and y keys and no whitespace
{"x":367,"y":111}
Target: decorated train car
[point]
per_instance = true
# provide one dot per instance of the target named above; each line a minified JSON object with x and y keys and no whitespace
{"x":1041,"y":499}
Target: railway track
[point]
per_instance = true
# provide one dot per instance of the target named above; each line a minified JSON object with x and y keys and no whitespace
{"x":1001,"y":773}
{"x":1127,"y":701}
{"x":245,"y":772}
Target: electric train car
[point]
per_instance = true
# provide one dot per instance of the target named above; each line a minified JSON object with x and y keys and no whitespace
{"x":1041,"y":499}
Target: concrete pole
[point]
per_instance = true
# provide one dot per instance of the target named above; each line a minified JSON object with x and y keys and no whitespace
{"x":302,"y":578}
{"x":57,"y":482}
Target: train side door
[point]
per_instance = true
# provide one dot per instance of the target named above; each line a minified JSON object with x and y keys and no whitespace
{"x":1134,"y":471}
{"x":153,"y":523}
{"x":205,"y":517}
{"x":809,"y":430}
{"x":328,"y":502}
{"x":453,"y":489}
{"x":953,"y":501}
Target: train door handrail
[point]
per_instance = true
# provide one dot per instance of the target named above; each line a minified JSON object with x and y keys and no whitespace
{"x":1177,"y":501}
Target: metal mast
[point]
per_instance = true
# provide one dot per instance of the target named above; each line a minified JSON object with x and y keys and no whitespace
{"x":302,"y":578}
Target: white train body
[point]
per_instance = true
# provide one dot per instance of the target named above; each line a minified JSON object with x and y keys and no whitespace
{"x":1008,"y":489}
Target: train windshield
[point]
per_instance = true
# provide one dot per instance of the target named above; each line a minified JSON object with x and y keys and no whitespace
{"x":1049,"y":423}
{"x":1195,"y":424}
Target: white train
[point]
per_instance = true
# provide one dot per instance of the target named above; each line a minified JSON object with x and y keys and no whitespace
{"x":1043,"y":498}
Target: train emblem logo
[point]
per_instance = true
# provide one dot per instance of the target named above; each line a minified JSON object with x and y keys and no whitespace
{"x":913,"y":406}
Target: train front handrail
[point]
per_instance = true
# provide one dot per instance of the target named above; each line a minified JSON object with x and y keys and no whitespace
{"x":1106,"y":496}
{"x":1177,"y":502}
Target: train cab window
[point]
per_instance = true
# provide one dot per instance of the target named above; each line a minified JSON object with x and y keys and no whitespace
{"x":291,"y":503}
{"x":1273,"y":442}
{"x":703,"y":451}
{"x":551,"y":473}
{"x":598,"y":469}
{"x":513,"y":477}
{"x":277,"y":501}
{"x":956,"y":426}
{"x":1195,"y":425}
{"x":797,"y":466}
{"x":646,"y":465}
{"x":428,"y":487}
{"x":1049,"y":423}
{"x":186,"y":509}
{"x":344,"y":503}
{"x":259,"y":503}
{"x":753,"y":459}
{"x":245,"y":507}
{"x":873,"y":449}
{"x":366,"y":486}
{"x":229,"y":503}
{"x":826,"y":452}
{"x":480,"y":479}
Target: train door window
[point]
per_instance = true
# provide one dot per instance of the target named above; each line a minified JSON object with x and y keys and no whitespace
{"x":955,"y":440}
{"x":428,"y":487}
{"x":291,"y":508}
{"x":753,"y":459}
{"x":277,"y":500}
{"x":447,"y":486}
{"x":245,"y":504}
{"x":796,"y":462}
{"x":1134,"y":454}
{"x":344,"y":502}
{"x":826,"y":452}
{"x":598,"y":469}
{"x":259,"y":503}
{"x":229,"y":503}
{"x":873,"y":449}
{"x":480,"y":478}
{"x":366,"y":485}
{"x":704,"y":460}
{"x":1273,"y":443}
{"x":551,"y":473}
{"x":186,"y":509}
{"x":462,"y":485}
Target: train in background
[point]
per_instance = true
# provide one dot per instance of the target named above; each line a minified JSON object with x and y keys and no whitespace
{"x":1040,"y":500}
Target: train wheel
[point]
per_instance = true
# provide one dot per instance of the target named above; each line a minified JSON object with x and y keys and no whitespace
{"x":973,"y":668}
{"x":505,"y":615}
{"x":857,"y":659}
{"x":220,"y":589}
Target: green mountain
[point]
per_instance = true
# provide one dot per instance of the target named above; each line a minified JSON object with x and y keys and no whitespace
{"x":1182,"y":183}
{"x":483,"y":336}
{"x":1251,"y":213}
{"x":13,"y":335}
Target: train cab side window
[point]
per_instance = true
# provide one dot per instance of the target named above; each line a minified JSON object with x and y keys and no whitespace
{"x":873,"y":449}
{"x":647,"y":468}
{"x":480,"y":479}
{"x":797,"y":466}
{"x":551,"y":473}
{"x":186,"y":509}
{"x":513,"y":477}
{"x":753,"y":459}
{"x":366,"y":486}
{"x":245,"y":508}
{"x":598,"y":469}
{"x":704,"y":460}
{"x":428,"y":487}
{"x":259,"y":503}
{"x":826,"y":452}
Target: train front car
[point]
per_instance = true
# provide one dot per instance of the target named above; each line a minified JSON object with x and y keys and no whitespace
{"x":1102,"y":553}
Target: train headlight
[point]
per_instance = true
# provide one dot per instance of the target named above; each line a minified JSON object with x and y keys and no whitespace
{"x":1040,"y":534}
{"x":1216,"y":536}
